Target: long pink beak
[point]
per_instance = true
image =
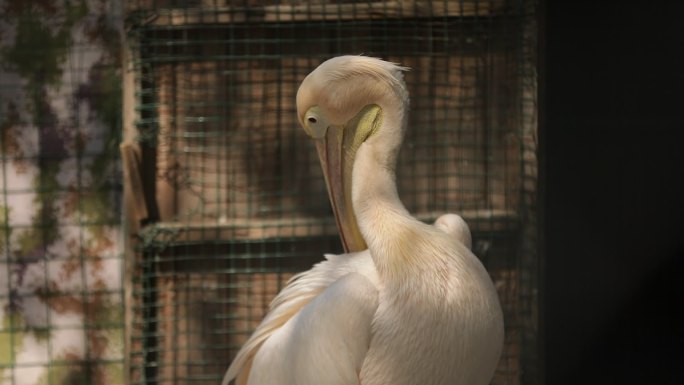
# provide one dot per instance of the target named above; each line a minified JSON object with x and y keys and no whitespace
{"x":337,"y":172}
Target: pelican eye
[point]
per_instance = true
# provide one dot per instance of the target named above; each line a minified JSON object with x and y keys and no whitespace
{"x":315,"y":123}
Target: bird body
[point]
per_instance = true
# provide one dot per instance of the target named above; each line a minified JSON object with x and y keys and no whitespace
{"x":415,"y":306}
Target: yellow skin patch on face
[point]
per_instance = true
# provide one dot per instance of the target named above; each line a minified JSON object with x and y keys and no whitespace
{"x":366,"y":123}
{"x":361,"y":127}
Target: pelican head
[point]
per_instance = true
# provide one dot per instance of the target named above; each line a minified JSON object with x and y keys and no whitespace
{"x":347,"y":101}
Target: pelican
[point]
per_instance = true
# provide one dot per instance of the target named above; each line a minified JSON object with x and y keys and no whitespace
{"x":408,"y":303}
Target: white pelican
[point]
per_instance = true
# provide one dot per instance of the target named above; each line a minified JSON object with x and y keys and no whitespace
{"x":414,"y":306}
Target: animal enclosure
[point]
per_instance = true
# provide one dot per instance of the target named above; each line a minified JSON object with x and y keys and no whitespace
{"x":225,"y":196}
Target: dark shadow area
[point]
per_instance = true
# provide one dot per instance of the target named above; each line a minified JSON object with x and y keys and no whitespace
{"x":613,"y":162}
{"x":642,"y":342}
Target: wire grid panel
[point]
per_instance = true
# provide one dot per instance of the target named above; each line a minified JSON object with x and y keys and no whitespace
{"x":239,"y":203}
{"x":61,"y":292}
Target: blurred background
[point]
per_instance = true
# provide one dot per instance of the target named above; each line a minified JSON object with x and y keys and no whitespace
{"x":61,"y":241}
{"x":157,"y":192}
{"x":611,"y":166}
{"x":224,"y":192}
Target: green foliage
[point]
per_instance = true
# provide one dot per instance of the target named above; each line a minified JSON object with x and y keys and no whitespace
{"x":39,"y":51}
{"x":108,"y":313}
{"x":105,"y":97}
{"x":5,"y":230}
{"x":103,"y":94}
{"x":65,"y":375}
{"x":37,"y":54}
{"x":105,"y":101}
{"x":11,"y":337}
{"x":44,"y":228}
{"x":115,"y":373}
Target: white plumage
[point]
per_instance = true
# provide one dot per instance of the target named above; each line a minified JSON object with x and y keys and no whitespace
{"x":416,"y":306}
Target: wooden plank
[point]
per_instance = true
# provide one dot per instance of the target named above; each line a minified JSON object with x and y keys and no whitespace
{"x":134,"y":196}
{"x":279,"y":13}
{"x":379,"y":10}
{"x":236,"y":229}
{"x":166,"y":193}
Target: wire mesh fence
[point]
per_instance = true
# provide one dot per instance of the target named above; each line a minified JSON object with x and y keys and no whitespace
{"x":61,"y":290}
{"x":231,"y":198}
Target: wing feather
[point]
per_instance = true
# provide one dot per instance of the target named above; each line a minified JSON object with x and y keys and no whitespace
{"x":299,"y":292}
